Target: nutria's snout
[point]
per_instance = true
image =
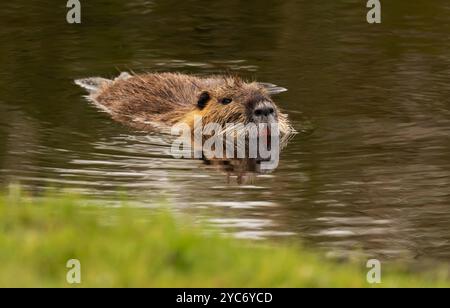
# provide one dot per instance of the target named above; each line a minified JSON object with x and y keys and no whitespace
{"x":264,"y":112}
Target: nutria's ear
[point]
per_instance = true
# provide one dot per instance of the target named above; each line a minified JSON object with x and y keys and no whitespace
{"x":203,"y":99}
{"x":273,"y":89}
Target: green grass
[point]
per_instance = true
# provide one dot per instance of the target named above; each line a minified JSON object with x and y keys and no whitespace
{"x":125,"y":247}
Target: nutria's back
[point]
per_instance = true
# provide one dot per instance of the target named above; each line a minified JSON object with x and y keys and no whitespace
{"x":150,"y":97}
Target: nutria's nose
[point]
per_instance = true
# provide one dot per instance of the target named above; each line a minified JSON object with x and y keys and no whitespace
{"x":264,"y":111}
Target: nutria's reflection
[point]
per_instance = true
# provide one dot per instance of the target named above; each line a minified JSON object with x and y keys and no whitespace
{"x":245,"y":170}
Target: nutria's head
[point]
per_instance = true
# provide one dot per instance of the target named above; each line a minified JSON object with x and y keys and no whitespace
{"x":236,"y":101}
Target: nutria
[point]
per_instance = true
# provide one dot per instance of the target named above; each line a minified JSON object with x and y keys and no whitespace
{"x":165,"y":99}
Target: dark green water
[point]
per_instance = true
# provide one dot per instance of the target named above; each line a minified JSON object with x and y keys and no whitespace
{"x":373,"y":176}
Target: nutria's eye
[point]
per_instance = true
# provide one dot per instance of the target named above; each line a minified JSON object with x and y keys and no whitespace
{"x":226,"y":101}
{"x":203,"y":100}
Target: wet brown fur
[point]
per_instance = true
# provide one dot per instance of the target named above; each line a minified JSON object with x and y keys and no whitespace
{"x":170,"y":98}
